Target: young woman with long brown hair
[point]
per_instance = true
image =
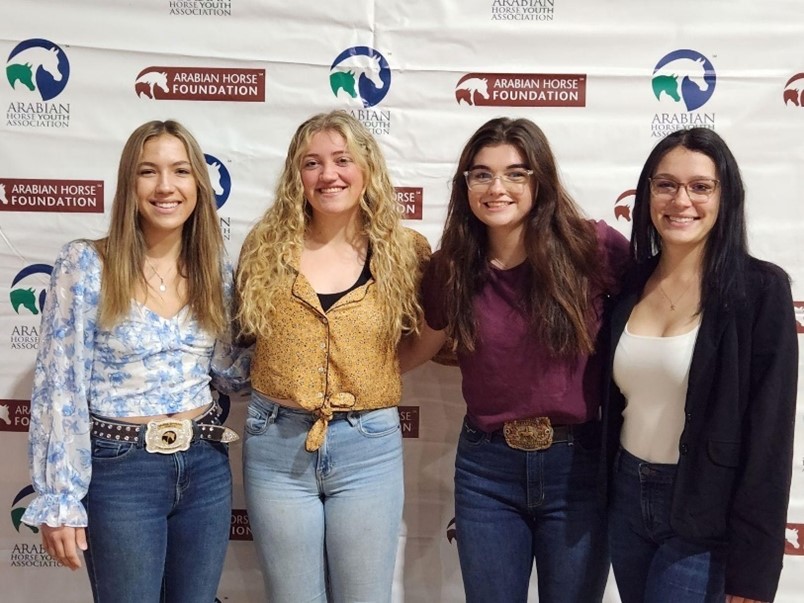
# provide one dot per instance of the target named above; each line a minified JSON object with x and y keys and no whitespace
{"x":518,"y":287}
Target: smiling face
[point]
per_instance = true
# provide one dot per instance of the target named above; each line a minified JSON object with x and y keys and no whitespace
{"x":680,"y":222}
{"x":333,"y":183}
{"x":502,"y":207}
{"x":165,"y":186}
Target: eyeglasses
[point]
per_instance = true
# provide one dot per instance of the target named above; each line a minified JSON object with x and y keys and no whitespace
{"x":698,"y":191}
{"x":514,"y":181}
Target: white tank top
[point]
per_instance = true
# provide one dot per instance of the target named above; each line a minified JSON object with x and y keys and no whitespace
{"x":652,"y":373}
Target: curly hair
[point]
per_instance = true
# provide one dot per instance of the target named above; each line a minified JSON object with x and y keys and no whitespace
{"x":123,"y":249}
{"x":265,"y":270}
{"x":563,"y":263}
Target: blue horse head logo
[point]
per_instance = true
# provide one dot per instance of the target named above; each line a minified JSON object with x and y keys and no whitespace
{"x":38,"y":67}
{"x":684,"y":76}
{"x":360,"y":75}
{"x":27,"y":297}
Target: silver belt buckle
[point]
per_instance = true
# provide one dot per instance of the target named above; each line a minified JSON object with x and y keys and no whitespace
{"x":167,"y":436}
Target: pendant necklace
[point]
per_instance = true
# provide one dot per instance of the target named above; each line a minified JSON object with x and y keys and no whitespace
{"x":678,"y":299}
{"x":162,"y":286}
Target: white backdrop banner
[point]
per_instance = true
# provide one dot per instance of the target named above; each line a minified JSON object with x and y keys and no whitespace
{"x":604,"y":79}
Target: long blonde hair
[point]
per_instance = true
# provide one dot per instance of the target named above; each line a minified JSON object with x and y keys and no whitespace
{"x":269,"y":249}
{"x":123,"y":249}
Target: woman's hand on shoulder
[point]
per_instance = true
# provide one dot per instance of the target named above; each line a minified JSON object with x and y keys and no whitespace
{"x":63,"y":544}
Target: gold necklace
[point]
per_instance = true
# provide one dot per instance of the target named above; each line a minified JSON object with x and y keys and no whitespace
{"x":678,"y":299}
{"x":162,"y":285}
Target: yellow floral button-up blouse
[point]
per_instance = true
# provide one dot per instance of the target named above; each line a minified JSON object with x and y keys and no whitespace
{"x":340,"y":360}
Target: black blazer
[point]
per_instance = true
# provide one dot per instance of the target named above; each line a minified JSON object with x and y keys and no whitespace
{"x":735,"y":453}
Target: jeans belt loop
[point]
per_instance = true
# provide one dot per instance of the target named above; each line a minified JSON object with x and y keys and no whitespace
{"x":534,"y":433}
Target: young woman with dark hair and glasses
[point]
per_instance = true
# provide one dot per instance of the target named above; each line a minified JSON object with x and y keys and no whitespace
{"x":704,"y":361}
{"x":519,"y":286}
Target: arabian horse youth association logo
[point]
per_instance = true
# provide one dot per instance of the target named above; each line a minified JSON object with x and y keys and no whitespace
{"x":25,"y":299}
{"x":38,"y":68}
{"x":219,"y":178}
{"x":361,"y":76}
{"x":684,"y":77}
{"x":18,"y":510}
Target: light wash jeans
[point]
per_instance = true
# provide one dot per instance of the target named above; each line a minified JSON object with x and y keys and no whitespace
{"x":158,"y":523}
{"x":326,"y":524}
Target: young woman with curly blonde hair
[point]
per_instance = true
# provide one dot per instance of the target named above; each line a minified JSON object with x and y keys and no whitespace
{"x":327,"y":286}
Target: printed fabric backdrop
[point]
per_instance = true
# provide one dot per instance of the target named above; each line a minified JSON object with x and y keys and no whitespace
{"x":604,"y":78}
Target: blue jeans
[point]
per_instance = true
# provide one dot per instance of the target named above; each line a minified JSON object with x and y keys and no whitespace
{"x":513,"y":507}
{"x":158,"y":523}
{"x":651,"y":562}
{"x":326,"y":524}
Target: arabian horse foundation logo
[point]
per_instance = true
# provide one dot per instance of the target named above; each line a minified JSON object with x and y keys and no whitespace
{"x":469,"y":87}
{"x":623,"y":208}
{"x":682,"y":80}
{"x":409,"y":421}
{"x":201,"y":84}
{"x":360,"y":76}
{"x":794,"y":539}
{"x":409,"y":201}
{"x":48,"y":195}
{"x":793,"y":94}
{"x":798,"y":309}
{"x":15,"y":415}
{"x":522,"y":89}
{"x":38,"y":71}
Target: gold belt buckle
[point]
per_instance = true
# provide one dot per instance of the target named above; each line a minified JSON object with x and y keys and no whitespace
{"x":167,"y":436}
{"x":531,"y":434}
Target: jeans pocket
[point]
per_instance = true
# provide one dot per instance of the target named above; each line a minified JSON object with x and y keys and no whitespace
{"x":105,"y":450}
{"x":377,"y":423}
{"x":471,"y":436}
{"x":258,"y":418}
{"x":220,"y":447}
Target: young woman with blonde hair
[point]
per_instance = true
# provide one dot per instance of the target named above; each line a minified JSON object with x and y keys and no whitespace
{"x":128,"y":456}
{"x":327,"y":286}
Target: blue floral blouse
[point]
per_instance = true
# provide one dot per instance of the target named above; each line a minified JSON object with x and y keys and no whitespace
{"x":145,"y":365}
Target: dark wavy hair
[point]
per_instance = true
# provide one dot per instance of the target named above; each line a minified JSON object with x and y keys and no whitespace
{"x":726,"y":247}
{"x":563,"y":263}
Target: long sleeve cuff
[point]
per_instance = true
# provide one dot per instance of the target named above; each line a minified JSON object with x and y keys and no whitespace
{"x":55,"y":510}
